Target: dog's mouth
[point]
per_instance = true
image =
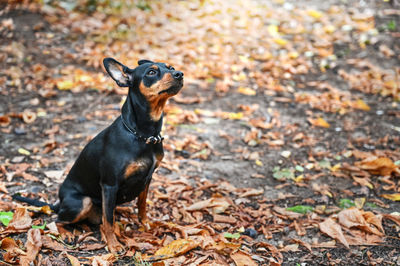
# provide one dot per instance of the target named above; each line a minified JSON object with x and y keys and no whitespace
{"x":174,"y":89}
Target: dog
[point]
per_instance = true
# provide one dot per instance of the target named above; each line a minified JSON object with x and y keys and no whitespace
{"x":117,"y":165}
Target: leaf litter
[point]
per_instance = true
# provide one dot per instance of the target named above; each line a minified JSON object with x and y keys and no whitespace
{"x":195,"y":220}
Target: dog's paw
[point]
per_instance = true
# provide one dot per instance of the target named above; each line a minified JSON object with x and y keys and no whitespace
{"x":115,"y":247}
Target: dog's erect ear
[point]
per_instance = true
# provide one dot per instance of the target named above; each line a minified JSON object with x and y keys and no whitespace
{"x":144,"y":61}
{"x":117,"y":71}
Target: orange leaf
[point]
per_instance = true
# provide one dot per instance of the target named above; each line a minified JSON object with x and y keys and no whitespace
{"x":4,"y":120}
{"x":242,"y":259}
{"x":173,"y":249}
{"x":378,"y":166}
{"x":361,"y":105}
{"x":11,"y":246}
{"x":319,"y":122}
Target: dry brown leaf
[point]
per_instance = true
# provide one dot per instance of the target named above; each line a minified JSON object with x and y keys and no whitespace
{"x":33,"y":246}
{"x":289,"y":214}
{"x":21,"y":221}
{"x":92,"y":246}
{"x":276,"y":254}
{"x":378,"y":166}
{"x":353,"y":217}
{"x":219,"y":205}
{"x":243,"y":259}
{"x":3,"y":187}
{"x":73,"y":260}
{"x":224,"y":219}
{"x":49,"y":243}
{"x":394,"y":218}
{"x":333,"y":229}
{"x":303,"y":243}
{"x":12,"y":248}
{"x":291,"y":248}
{"x":29,"y":177}
{"x":363,"y":181}
{"x":103,"y":260}
{"x":375,"y":220}
{"x":200,"y":205}
{"x":4,"y":120}
{"x":252,"y":192}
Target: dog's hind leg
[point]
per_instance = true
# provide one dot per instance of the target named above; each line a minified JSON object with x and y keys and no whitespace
{"x":74,"y":208}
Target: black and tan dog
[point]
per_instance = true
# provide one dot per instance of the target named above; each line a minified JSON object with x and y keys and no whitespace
{"x":117,"y":165}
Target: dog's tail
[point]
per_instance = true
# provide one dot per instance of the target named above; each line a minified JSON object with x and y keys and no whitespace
{"x":35,"y":202}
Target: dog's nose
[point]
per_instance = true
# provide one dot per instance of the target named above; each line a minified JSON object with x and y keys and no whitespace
{"x":177,"y":74}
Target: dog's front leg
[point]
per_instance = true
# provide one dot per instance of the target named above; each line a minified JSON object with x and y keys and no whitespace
{"x":141,"y":202}
{"x":109,"y":196}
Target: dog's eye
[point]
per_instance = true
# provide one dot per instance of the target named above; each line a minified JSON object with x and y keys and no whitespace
{"x":171,"y":68}
{"x":151,"y":72}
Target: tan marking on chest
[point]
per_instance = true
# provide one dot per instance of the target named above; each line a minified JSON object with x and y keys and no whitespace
{"x":135,"y":166}
{"x":159,"y":157}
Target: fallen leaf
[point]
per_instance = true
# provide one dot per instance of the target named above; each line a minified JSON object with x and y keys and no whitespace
{"x":252,"y":192}
{"x":314,"y":13}
{"x":65,"y":84}
{"x":4,"y":120}
{"x":243,"y":259}
{"x":247,"y":91}
{"x":224,"y":219}
{"x":361,"y":105}
{"x":232,"y":236}
{"x":73,"y":260}
{"x":173,"y":249}
{"x":333,"y":229}
{"x":21,"y":220}
{"x":10,"y":245}
{"x":33,"y":246}
{"x":12,"y":249}
{"x":6,"y":217}
{"x":353,"y":217}
{"x":378,"y":166}
{"x":291,"y":248}
{"x":106,"y":259}
{"x":23,"y":151}
{"x":319,"y":122}
{"x":274,"y":252}
{"x":300,"y":209}
{"x":393,"y":197}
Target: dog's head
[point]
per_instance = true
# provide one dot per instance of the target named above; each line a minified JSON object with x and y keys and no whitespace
{"x":155,"y":81}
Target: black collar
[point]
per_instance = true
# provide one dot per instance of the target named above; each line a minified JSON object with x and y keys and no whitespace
{"x":147,"y":140}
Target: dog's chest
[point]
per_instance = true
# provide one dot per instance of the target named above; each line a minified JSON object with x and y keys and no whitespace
{"x":136,"y":175}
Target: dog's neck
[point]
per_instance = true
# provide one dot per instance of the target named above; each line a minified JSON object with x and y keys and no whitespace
{"x":135,"y":113}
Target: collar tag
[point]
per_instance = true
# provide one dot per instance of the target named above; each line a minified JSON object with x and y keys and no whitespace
{"x":147,"y":140}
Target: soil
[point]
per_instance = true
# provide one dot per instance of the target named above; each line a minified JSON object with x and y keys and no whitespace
{"x":230,"y":158}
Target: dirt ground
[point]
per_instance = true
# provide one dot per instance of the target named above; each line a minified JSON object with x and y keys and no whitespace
{"x":212,"y":133}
